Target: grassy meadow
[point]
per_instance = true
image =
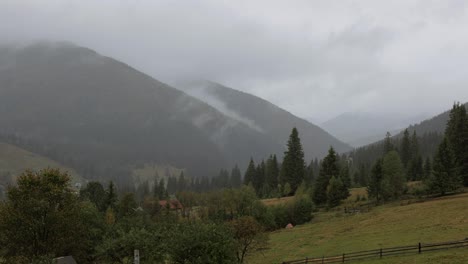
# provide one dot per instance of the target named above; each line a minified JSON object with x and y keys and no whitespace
{"x":334,"y":233}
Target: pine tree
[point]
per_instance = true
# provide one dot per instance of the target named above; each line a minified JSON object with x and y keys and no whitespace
{"x":111,"y":196}
{"x":259,"y":178}
{"x":374,"y":190}
{"x":427,"y":169}
{"x":388,"y":145}
{"x":405,"y":147}
{"x":272,"y":173}
{"x":457,"y":136}
{"x":310,"y":176}
{"x":293,"y":167}
{"x":394,"y":182}
{"x":236,"y":177}
{"x":250,"y":173}
{"x":328,"y":169}
{"x":334,"y":192}
{"x":345,"y":179}
{"x":445,"y":176}
{"x":414,"y":169}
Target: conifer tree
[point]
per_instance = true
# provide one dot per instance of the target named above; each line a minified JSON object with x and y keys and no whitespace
{"x":457,"y":136}
{"x":394,"y":182}
{"x":181,"y":183}
{"x":405,"y":152}
{"x":259,"y":178}
{"x":374,"y":190}
{"x":388,"y":145}
{"x":328,"y":169}
{"x":445,"y":176}
{"x":334,"y":192}
{"x":272,"y":173}
{"x":236,"y":177}
{"x":293,"y":167}
{"x":250,"y":173}
{"x":111,"y":196}
{"x":427,"y":169}
{"x":345,"y":179}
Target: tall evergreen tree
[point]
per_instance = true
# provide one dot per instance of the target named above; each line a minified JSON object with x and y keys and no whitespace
{"x":250,"y":173}
{"x":394,"y":182}
{"x":405,"y":149}
{"x":457,"y":136}
{"x":293,"y":167}
{"x":427,"y":169}
{"x":334,"y":191}
{"x":236,"y":177}
{"x":310,"y":176}
{"x":445,"y":175}
{"x":374,"y":190}
{"x":328,"y":169}
{"x":272,"y":173}
{"x":111,"y":196}
{"x":259,"y":178}
{"x":345,"y":179}
{"x":388,"y":145}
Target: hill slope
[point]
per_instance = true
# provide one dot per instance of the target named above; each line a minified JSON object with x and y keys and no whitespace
{"x":435,"y":124}
{"x":263,"y":116}
{"x":103,"y":118}
{"x":14,"y":160}
{"x":359,"y":129}
{"x":332,"y":233}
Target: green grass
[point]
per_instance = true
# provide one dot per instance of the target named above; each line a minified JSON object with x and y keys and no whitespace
{"x":15,"y":160}
{"x":334,"y":233}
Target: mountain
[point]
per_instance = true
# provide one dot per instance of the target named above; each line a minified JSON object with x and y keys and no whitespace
{"x":435,"y":124}
{"x":264,"y":117}
{"x":430,"y":133}
{"x":359,"y":129}
{"x":104,"y":118}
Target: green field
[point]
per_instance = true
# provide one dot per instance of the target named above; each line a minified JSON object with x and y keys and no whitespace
{"x":334,"y":233}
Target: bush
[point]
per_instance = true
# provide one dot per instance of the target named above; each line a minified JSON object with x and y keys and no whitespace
{"x":200,"y":243}
{"x":297,"y":212}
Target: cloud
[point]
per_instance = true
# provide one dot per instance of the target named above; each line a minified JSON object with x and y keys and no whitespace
{"x":314,"y":58}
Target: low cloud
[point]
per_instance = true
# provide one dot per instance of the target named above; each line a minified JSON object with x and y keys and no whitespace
{"x":314,"y":58}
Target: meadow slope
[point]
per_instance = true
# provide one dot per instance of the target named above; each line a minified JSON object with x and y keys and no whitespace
{"x":334,"y":233}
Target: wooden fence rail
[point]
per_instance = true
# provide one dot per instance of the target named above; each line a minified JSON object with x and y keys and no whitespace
{"x":383,"y":252}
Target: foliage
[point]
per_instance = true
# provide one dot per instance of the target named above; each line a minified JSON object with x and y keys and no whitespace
{"x":334,"y":192}
{"x":445,"y":175}
{"x":249,"y":236}
{"x":374,"y":190}
{"x":293,"y":167}
{"x":393,"y":180}
{"x":42,"y":217}
{"x":201,"y":243}
{"x":457,"y":137}
{"x":328,"y":169}
{"x":119,"y":245}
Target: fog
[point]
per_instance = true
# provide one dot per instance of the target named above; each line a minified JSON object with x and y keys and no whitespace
{"x":316,"y":59}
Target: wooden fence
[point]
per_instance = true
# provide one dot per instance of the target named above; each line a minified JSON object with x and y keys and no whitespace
{"x":383,"y":252}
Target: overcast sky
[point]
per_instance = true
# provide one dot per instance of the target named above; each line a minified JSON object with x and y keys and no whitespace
{"x":314,"y":58}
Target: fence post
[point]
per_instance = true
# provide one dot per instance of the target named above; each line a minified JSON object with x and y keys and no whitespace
{"x":343,"y":257}
{"x":419,"y":250}
{"x":323,"y":258}
{"x":307,"y":260}
{"x":380,"y":252}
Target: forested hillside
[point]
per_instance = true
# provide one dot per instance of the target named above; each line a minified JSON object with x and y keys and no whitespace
{"x":264,"y":116}
{"x":103,"y":118}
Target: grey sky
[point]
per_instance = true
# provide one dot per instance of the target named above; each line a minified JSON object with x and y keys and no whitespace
{"x":314,"y":58}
